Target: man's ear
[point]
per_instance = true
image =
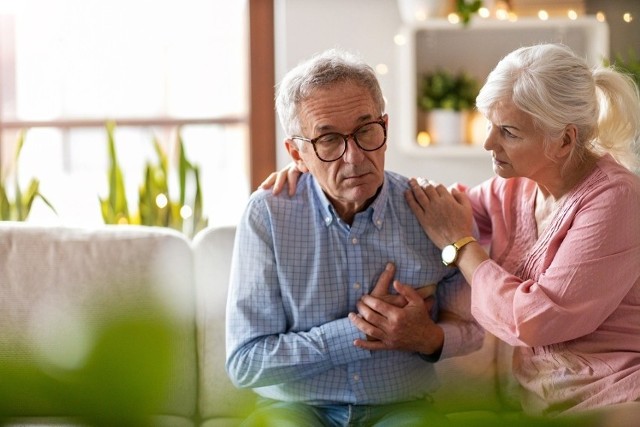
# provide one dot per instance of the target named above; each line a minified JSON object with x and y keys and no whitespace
{"x":294,"y":152}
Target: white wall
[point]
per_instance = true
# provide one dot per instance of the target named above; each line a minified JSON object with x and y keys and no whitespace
{"x":366,"y":27}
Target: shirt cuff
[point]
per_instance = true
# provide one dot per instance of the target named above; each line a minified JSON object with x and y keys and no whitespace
{"x":431,"y":358}
{"x":452,"y":342}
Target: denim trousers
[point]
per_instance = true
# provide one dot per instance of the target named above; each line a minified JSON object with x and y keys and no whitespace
{"x":289,"y":414}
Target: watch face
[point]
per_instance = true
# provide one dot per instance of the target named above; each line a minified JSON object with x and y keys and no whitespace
{"x":449,"y":254}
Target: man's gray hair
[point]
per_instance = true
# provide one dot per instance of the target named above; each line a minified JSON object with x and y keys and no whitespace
{"x":322,"y":70}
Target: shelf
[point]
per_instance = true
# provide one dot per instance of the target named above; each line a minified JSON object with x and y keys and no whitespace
{"x":524,"y":23}
{"x":453,"y":151}
{"x":476,"y":49}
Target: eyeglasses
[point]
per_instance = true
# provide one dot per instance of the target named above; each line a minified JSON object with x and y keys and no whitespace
{"x":331,"y":146}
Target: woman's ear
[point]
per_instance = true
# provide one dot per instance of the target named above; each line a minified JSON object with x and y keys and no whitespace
{"x":569,"y":140}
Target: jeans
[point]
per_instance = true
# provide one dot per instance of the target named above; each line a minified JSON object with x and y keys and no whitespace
{"x":294,"y":414}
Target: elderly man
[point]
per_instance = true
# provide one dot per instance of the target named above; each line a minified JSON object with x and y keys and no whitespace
{"x":302,"y":262}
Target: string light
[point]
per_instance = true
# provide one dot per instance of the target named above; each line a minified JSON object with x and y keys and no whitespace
{"x":161,"y":200}
{"x":400,"y":39}
{"x":185,"y":212}
{"x":483,"y":12}
{"x":424,"y":139}
{"x":453,"y":18}
{"x":382,"y":69}
{"x":502,"y":14}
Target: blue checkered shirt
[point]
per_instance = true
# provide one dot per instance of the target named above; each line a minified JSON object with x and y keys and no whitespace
{"x":298,"y":270}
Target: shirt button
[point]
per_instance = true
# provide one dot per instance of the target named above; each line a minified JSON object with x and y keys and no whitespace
{"x":379,"y":222}
{"x":356,"y":377}
{"x":354,"y":240}
{"x":327,"y":220}
{"x":356,"y":285}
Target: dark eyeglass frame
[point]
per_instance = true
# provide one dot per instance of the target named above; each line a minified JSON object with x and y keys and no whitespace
{"x":345,"y":138}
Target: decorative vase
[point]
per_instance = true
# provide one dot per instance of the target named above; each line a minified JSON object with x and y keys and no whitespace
{"x":420,"y":10}
{"x":447,"y":127}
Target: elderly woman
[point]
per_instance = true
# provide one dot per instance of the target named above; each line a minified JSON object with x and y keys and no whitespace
{"x":561,"y":278}
{"x":561,"y":281}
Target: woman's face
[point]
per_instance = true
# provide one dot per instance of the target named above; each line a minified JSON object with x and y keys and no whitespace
{"x":517,"y":147}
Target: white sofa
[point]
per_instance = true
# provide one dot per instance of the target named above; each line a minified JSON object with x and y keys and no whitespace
{"x":53,"y":280}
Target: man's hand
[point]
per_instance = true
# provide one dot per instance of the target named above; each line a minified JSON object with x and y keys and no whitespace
{"x":389,"y":326}
{"x":381,"y":290}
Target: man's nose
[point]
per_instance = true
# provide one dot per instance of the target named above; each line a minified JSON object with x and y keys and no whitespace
{"x":353,"y":153}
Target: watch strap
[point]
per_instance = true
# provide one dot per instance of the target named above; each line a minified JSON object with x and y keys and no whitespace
{"x":465,"y":240}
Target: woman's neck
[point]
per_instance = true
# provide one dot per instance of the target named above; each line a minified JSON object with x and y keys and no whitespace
{"x":566,"y":179}
{"x":550,"y":197}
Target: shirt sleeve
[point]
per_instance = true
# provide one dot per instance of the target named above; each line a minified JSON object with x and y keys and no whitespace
{"x":585,"y":270}
{"x":261,"y":351}
{"x":462,"y":334}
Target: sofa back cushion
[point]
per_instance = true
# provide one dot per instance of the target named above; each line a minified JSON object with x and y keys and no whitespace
{"x":95,"y":318}
{"x":219,"y":398}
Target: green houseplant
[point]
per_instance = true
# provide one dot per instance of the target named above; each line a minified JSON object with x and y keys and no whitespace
{"x":17,"y":207}
{"x":445,"y":90}
{"x":445,"y":97}
{"x":466,"y":9}
{"x":629,"y":65}
{"x":156,"y":204}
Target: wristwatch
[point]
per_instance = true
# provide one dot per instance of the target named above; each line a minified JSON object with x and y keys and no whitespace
{"x":450,"y":252}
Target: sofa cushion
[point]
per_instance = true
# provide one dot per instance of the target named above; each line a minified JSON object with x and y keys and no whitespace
{"x":72,"y":303}
{"x":220,"y":402}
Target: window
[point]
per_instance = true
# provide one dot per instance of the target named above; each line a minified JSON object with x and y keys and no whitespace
{"x":153,"y":66}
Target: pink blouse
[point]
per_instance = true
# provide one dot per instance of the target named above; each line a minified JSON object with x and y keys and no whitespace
{"x":569,"y":300}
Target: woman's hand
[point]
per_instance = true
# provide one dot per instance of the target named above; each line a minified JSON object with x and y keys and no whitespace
{"x":277,"y":180}
{"x":446,"y":216}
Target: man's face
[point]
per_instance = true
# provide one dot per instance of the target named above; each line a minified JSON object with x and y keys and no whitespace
{"x":352,"y":181}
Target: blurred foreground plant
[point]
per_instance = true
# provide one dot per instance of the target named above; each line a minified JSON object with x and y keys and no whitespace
{"x":156,"y":207}
{"x":121,"y":379}
{"x":18,"y":208}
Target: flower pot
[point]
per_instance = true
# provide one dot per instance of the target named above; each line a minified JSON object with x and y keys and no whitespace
{"x":447,"y":127}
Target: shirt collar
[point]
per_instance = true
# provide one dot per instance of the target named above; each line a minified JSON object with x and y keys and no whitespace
{"x":329,"y":215}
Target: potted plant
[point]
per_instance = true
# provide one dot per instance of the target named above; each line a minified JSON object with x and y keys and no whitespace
{"x":421,"y":10}
{"x":466,"y":9}
{"x":446,"y":97}
{"x":156,"y":206}
{"x":629,"y":65}
{"x":18,"y":208}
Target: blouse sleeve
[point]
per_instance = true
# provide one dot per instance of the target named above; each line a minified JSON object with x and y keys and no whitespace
{"x":577,"y":279}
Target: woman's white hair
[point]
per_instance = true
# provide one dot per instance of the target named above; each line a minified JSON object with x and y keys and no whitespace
{"x":557,"y":88}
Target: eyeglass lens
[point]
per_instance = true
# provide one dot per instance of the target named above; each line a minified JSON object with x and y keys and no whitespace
{"x":332,"y":146}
